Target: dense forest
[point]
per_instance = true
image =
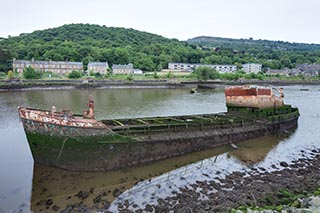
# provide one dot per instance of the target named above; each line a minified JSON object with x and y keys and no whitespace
{"x":84,"y":42}
{"x":272,"y":54}
{"x":149,"y":52}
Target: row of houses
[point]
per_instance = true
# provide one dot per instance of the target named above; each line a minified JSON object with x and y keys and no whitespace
{"x":125,"y":69}
{"x":60,"y":67}
{"x":225,"y":68}
{"x":190,"y":67}
{"x":65,"y":67}
{"x":308,"y":70}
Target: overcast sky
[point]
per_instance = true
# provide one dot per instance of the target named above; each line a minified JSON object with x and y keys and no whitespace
{"x":287,"y":20}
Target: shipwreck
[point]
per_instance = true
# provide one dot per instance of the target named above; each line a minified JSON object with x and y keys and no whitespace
{"x":80,"y":142}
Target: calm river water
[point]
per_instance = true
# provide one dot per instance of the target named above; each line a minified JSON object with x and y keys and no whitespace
{"x":25,"y":186}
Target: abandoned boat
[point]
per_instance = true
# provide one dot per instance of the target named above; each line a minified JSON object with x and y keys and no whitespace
{"x":80,"y":142}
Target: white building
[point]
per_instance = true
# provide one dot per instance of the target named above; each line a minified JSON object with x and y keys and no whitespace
{"x":251,"y":68}
{"x":190,"y":67}
{"x":137,"y":72}
{"x":122,"y":69}
{"x":100,"y":67}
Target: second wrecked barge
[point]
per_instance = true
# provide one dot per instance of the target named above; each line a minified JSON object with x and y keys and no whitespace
{"x":79,"y":142}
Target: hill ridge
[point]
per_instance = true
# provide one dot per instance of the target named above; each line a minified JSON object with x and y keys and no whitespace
{"x":147,"y":51}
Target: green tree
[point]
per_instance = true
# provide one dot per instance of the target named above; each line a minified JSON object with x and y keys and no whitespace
{"x":5,"y":58}
{"x":205,"y":73}
{"x":145,"y":63}
{"x":149,"y":52}
{"x":285,"y":62}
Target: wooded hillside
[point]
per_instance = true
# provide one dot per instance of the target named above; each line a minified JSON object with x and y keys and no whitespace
{"x":149,"y":52}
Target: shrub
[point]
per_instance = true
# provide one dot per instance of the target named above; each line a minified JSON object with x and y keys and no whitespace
{"x":260,"y":77}
{"x":155,"y":75}
{"x":97,"y":75}
{"x":108,"y":73}
{"x":2,"y":75}
{"x":75,"y":74}
{"x":30,"y":73}
{"x":10,"y":74}
{"x":130,"y":77}
{"x":230,"y":76}
{"x":51,"y":75}
{"x":169,"y":75}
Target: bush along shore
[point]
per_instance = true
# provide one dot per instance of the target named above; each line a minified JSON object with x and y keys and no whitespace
{"x":293,"y":186}
{"x":10,"y":85}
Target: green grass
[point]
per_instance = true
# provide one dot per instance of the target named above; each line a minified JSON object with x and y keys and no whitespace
{"x":280,"y":199}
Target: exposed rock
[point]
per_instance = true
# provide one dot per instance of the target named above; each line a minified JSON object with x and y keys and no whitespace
{"x":49,"y":202}
{"x":149,"y":208}
{"x":97,"y":199}
{"x":67,"y":209}
{"x":82,"y":194}
{"x":284,"y":164}
{"x":238,"y":189}
{"x":41,"y":202}
{"x":116,"y":192}
{"x":55,"y":208}
{"x":107,"y":204}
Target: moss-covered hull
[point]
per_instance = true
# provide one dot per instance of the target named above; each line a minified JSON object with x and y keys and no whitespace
{"x":137,"y":144}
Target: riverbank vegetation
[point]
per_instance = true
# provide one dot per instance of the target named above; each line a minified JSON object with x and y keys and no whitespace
{"x":208,"y":73}
{"x":201,"y":74}
{"x":283,"y":200}
{"x":148,"y":52}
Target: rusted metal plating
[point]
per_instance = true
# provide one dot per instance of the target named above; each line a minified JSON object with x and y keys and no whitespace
{"x":89,"y":113}
{"x":63,"y":118}
{"x":257,"y":97}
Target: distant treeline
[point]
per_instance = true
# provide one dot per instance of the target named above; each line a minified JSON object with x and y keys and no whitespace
{"x":271,"y":54}
{"x":148,"y":52}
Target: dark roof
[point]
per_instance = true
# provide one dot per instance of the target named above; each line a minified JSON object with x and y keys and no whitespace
{"x":47,"y":62}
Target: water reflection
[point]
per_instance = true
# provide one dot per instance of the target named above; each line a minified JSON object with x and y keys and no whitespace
{"x":62,"y":186}
{"x":98,"y":189}
{"x":254,"y":151}
{"x":210,"y":169}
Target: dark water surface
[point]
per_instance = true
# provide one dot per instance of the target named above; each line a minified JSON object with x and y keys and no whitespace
{"x":24,"y":185}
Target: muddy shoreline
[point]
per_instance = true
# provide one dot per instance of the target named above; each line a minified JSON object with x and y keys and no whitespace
{"x":68,"y":86}
{"x":108,"y":84}
{"x":254,"y":188}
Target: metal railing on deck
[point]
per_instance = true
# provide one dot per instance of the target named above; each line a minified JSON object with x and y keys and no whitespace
{"x":175,"y":127}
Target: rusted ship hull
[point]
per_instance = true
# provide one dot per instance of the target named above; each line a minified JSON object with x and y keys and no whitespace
{"x":128,"y":142}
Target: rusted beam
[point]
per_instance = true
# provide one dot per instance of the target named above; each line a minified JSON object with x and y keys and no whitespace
{"x":142,"y":121}
{"x":118,"y":122}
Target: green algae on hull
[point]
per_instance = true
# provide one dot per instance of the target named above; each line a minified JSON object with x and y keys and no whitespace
{"x":80,"y":142}
{"x":141,"y":140}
